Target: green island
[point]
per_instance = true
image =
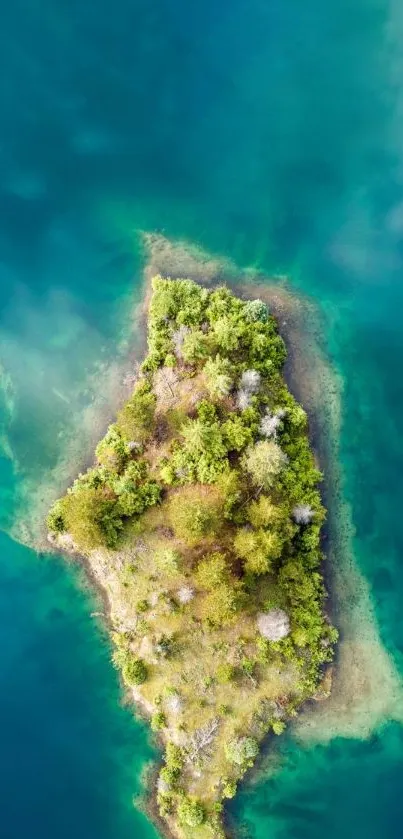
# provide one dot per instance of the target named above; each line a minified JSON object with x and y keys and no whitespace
{"x":201,"y":520}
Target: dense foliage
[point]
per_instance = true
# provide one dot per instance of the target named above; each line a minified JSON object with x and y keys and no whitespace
{"x":210,"y":461}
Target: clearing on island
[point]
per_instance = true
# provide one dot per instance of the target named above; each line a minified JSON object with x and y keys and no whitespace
{"x":201,"y":520}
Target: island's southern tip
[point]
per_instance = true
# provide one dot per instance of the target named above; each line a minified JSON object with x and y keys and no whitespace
{"x":200,"y":519}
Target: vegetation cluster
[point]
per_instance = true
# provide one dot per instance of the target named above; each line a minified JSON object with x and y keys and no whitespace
{"x":202,"y":518}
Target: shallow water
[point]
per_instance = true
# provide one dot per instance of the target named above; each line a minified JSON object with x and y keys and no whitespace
{"x":269,"y":133}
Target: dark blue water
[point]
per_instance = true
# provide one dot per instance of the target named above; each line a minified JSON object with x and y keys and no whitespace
{"x":267,"y":132}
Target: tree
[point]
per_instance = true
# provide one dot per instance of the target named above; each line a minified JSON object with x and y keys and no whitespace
{"x":135,"y":490}
{"x":303,"y":513}
{"x":134,"y":670}
{"x":236,"y":433}
{"x":258,"y":548}
{"x":226,"y":333}
{"x":242,"y":750}
{"x":194,"y":513}
{"x":136,"y":419}
{"x":264,"y":461}
{"x":191,"y":812}
{"x":263,"y":513}
{"x":112,"y":451}
{"x":91,"y":518}
{"x":195,"y":346}
{"x":256,"y":310}
{"x":218,"y":373}
{"x":274,"y":624}
{"x":224,"y":591}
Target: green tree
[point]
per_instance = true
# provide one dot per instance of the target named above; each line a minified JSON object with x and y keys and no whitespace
{"x":194,"y":513}
{"x":195,"y":346}
{"x":258,"y":548}
{"x":135,"y":490}
{"x":191,"y":812}
{"x":134,"y":670}
{"x":112,"y":450}
{"x":264,"y":461}
{"x":263,"y":513}
{"x":223,"y":599}
{"x":236,"y":433}
{"x":242,"y":750}
{"x":91,"y":518}
{"x":136,"y":419}
{"x":219,"y":376}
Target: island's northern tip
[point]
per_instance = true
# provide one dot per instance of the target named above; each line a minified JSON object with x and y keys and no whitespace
{"x":201,"y":520}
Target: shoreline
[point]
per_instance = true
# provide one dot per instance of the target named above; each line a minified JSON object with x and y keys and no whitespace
{"x":304,"y":348}
{"x":278,"y":299}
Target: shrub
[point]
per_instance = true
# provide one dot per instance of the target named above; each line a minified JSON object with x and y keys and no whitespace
{"x":222,"y":603}
{"x":229,"y":789}
{"x":212,"y":571}
{"x":278,"y":726}
{"x":158,"y":721}
{"x":55,"y":521}
{"x":264,"y":461}
{"x":223,"y":598}
{"x":191,"y":812}
{"x":168,"y":560}
{"x":242,"y":750}
{"x":225,"y":673}
{"x":134,"y":670}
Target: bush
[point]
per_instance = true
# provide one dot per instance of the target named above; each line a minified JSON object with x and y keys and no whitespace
{"x":242,"y":751}
{"x":158,"y":721}
{"x":168,"y":560}
{"x":133,"y":669}
{"x":55,"y":521}
{"x":225,"y":673}
{"x":229,"y":789}
{"x":191,"y":812}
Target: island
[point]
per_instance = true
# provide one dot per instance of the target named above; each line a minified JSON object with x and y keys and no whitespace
{"x":201,"y":522}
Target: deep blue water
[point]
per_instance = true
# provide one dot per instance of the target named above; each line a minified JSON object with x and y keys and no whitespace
{"x":268,"y":132}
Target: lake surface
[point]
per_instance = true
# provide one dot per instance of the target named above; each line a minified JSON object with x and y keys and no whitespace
{"x":267,"y":132}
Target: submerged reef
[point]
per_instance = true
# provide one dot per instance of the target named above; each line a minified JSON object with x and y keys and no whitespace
{"x":201,"y":520}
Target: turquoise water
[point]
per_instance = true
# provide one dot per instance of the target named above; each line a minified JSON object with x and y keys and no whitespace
{"x":269,"y":133}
